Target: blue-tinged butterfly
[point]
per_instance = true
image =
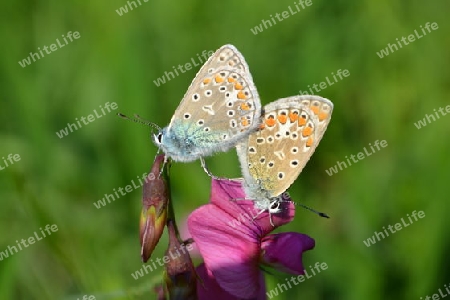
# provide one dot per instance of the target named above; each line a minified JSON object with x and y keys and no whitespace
{"x":220,"y":108}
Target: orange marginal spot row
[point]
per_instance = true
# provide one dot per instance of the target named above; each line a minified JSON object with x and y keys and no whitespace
{"x":301,"y":121}
{"x":307,"y":131}
{"x":270,"y":121}
{"x":315,"y":109}
{"x":241,"y":95}
{"x":238,"y":86}
{"x":219,"y":79}
{"x":323,"y":116}
{"x":293,"y":116}
{"x":244,"y":121}
{"x":282,"y":119}
{"x":244,"y":106}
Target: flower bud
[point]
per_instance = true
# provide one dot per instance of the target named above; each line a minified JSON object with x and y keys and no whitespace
{"x":180,"y":276}
{"x":155,"y":199}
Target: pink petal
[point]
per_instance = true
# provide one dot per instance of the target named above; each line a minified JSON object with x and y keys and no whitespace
{"x":229,"y":238}
{"x":231,"y":190}
{"x":185,"y":235}
{"x":284,"y":251}
{"x":230,"y":254}
{"x":207,"y":287}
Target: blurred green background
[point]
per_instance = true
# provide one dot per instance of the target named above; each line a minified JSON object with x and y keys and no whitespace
{"x":117,"y":58}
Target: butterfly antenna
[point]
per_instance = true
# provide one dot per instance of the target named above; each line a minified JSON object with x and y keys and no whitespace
{"x":321,"y":214}
{"x":138,"y":119}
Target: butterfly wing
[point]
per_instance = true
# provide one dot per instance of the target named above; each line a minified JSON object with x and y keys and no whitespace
{"x":220,"y":107}
{"x":273,"y":157}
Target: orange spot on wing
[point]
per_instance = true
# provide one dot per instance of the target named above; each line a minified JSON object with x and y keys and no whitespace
{"x":244,"y":106}
{"x":307,"y":131}
{"x":238,"y":86}
{"x":241,"y":95}
{"x":207,"y":80}
{"x":282,"y":119}
{"x":293,"y":117}
{"x":231,"y":79}
{"x":219,"y":79}
{"x":315,"y":109}
{"x":309,"y":142}
{"x":301,"y":121}
{"x":323,"y":116}
{"x":244,"y":122}
{"x":262,"y":126}
{"x":270,"y":121}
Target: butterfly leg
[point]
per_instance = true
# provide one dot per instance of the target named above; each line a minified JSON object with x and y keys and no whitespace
{"x":270,"y":219}
{"x":205,"y":168}
{"x":166,"y":161}
{"x":257,"y":215}
{"x":270,"y":216}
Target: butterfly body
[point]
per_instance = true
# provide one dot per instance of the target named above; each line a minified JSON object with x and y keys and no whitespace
{"x":274,"y":156}
{"x":184,"y":142}
{"x":220,"y":108}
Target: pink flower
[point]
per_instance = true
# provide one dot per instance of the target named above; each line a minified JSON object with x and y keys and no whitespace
{"x":233,"y":244}
{"x":208,"y":288}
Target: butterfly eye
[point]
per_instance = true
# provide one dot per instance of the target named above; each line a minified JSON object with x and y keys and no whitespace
{"x":275,"y":207}
{"x":159,"y":137}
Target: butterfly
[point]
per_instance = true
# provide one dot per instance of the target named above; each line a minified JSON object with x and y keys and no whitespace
{"x":220,"y":108}
{"x":273,"y":157}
